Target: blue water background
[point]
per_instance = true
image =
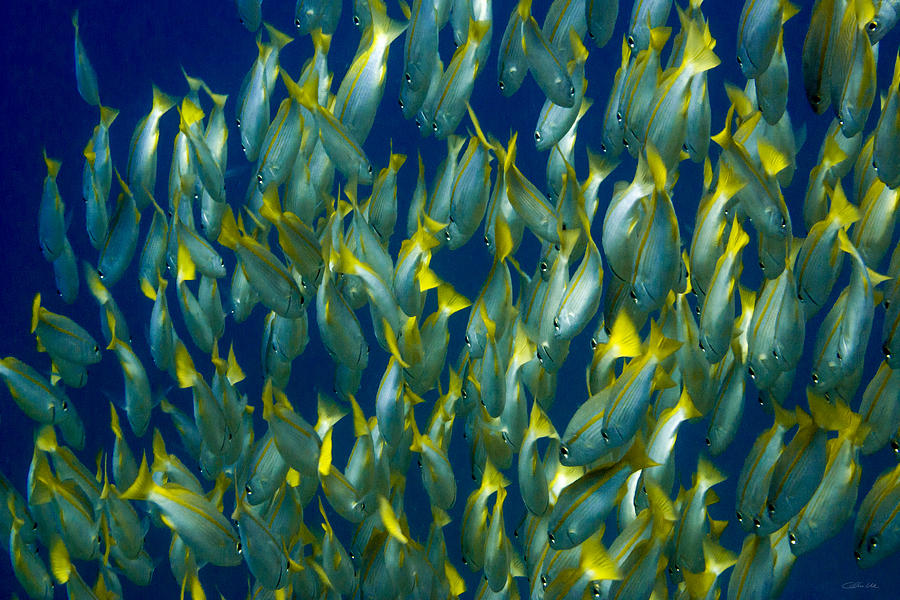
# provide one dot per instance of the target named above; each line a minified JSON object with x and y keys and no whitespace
{"x":132,"y":44}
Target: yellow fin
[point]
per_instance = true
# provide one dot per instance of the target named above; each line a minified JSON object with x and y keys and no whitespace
{"x":389,"y":520}
{"x":60,"y":564}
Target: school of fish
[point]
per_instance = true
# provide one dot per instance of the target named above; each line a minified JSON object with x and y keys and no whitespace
{"x":678,"y":334}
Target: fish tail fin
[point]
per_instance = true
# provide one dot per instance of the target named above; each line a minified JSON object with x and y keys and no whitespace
{"x":451,"y":301}
{"x":595,"y":560}
{"x":539,"y":425}
{"x":773,"y":160}
{"x":360,"y":428}
{"x":60,"y":563}
{"x":46,"y":439}
{"x":35,"y":311}
{"x":108,"y":115}
{"x":390,"y":521}
{"x":524,"y":9}
{"x":427,"y":279}
{"x":143,"y":484}
{"x":841,"y":210}
{"x":114,"y":422}
{"x":325,"y":454}
{"x":277,"y":37}
{"x":384,"y":27}
{"x":271,"y":206}
{"x":625,"y":336}
{"x":229,"y":234}
{"x":162,"y":102}
{"x":707,"y":474}
{"x":737,"y":239}
{"x":184,"y":366}
{"x":698,"y":51}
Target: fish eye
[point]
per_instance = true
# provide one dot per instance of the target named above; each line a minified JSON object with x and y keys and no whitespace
{"x":552,"y":539}
{"x":762,"y":265}
{"x":544,"y":266}
{"x":815,"y":99}
{"x":739,"y":516}
{"x":630,"y":41}
{"x":544,"y":577}
{"x":873,"y":543}
{"x":593,"y":344}
{"x":248,"y":489}
{"x":619,"y":116}
{"x":539,"y":357}
{"x":351,"y":555}
{"x":418,"y":124}
{"x":702,"y":347}
{"x":783,"y":222}
{"x":886,"y":351}
{"x":839,"y":357}
{"x":464,"y":395}
{"x":596,"y":590}
{"x":501,"y":84}
{"x":895,"y":446}
{"x":58,"y":292}
{"x":725,"y":212}
{"x":238,"y":123}
{"x":96,"y":348}
{"x":633,"y":295}
{"x":243,"y":147}
{"x":625,"y":143}
{"x":241,"y":19}
{"x":464,"y":559}
{"x":65,"y":405}
{"x":487,"y":242}
{"x":408,"y":78}
{"x":447,"y":234}
{"x":740,"y":62}
{"x":400,"y":102}
{"x":708,"y":442}
{"x":792,"y":538}
{"x":468,"y":341}
{"x":434,"y":125}
{"x":591,"y":34}
{"x":370,"y":169}
{"x":875,"y":165}
{"x":872,"y":26}
{"x":815,"y":378}
{"x":602,"y":147}
{"x":571,"y":91}
{"x":356,"y":20}
{"x":297,"y":22}
{"x":100,"y":273}
{"x":684,"y":147}
{"x":756,"y":523}
{"x":604,"y":435}
{"x":556,"y":323}
{"x":771,"y":509}
{"x":775,"y":353}
{"x":537,"y":136}
{"x":221,"y":262}
{"x":240,"y":548}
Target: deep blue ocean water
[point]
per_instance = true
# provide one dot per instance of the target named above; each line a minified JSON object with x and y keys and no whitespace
{"x":132,"y":44}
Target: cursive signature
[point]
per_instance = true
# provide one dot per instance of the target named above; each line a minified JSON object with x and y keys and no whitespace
{"x":859,"y":585}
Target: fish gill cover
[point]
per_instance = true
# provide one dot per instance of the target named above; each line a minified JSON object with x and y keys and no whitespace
{"x":331,"y":300}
